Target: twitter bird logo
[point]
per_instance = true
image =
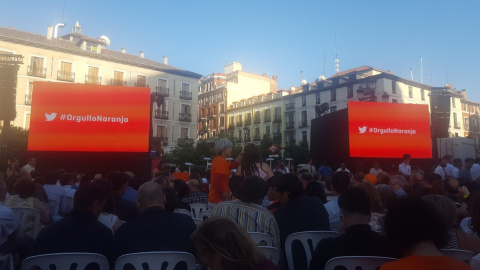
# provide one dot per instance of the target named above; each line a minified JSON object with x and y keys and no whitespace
{"x":362,"y":129}
{"x":50,"y":117}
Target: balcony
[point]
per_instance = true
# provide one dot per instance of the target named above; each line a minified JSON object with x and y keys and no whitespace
{"x":66,"y":76}
{"x":206,"y":102}
{"x":186,"y":95}
{"x":185,"y":117}
{"x":142,"y":84}
{"x":28,"y":99}
{"x":160,"y":114}
{"x":37,"y":72}
{"x":277,"y":137}
{"x":93,"y":79}
{"x":183,"y":141}
{"x":290,"y":125}
{"x":160,"y":140}
{"x":162,"y":91}
{"x":267,"y":118}
{"x":220,"y":99}
{"x":118,"y":82}
{"x":212,"y":116}
{"x":277,"y":118}
{"x":257,"y":120}
{"x":257,"y":138}
{"x":231,"y":127}
{"x":239,"y":124}
{"x":248,"y":121}
{"x":289,"y":106}
{"x":303,"y":125}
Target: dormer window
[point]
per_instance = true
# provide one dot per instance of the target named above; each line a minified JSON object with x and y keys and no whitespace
{"x":92,"y":47}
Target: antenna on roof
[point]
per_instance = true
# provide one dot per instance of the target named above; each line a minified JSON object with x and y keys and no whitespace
{"x":421,"y":69}
{"x":337,"y":65}
{"x":446,"y":72}
{"x":324,"y":59}
{"x":411,"y":74}
{"x":301,"y":75}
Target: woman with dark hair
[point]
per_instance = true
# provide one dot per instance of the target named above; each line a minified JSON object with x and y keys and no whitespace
{"x":182,"y":190}
{"x":315,"y":189}
{"x":252,"y":164}
{"x":171,"y":201}
{"x":13,"y":167}
{"x":107,"y":217}
{"x":221,"y":244}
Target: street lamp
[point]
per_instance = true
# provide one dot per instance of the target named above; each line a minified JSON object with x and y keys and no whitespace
{"x":189,"y":167}
{"x":289,"y":159}
{"x":270,"y":159}
{"x":207,"y":159}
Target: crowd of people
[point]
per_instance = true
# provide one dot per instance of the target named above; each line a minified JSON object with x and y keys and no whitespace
{"x":405,"y":214}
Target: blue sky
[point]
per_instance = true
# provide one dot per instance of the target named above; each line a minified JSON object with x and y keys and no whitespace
{"x":279,"y":37}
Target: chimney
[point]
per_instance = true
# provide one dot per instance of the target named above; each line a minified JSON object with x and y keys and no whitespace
{"x":142,"y":54}
{"x":165,"y":60}
{"x":464,"y":93}
{"x":123,"y":50}
{"x":49,"y":32}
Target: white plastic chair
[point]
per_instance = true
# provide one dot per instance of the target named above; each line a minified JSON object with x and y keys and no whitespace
{"x":54,"y":207}
{"x":357,"y":262}
{"x":6,"y":262}
{"x":197,"y":222}
{"x":271,"y":253}
{"x":155,"y":260}
{"x":261,"y":239}
{"x":461,"y":255}
{"x":205,"y":214}
{"x":183,"y":211}
{"x":197,"y":208}
{"x":22,"y":214}
{"x":65,"y":261}
{"x":305,"y":237}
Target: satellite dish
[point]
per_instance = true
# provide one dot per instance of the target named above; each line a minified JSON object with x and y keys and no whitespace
{"x":322,"y":78}
{"x":304,"y":82}
{"x":105,"y":40}
{"x":323,"y":108}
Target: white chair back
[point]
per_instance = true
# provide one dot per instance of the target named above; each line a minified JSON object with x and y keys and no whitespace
{"x":65,"y":261}
{"x":197,"y":208}
{"x":197,"y":222}
{"x":6,"y":262}
{"x":309,"y":240}
{"x":271,"y":253}
{"x":183,"y":211}
{"x":461,"y":255}
{"x":23,"y":214}
{"x":357,"y":262}
{"x":54,"y":207}
{"x":205,"y":214}
{"x":155,"y":260}
{"x":261,"y":239}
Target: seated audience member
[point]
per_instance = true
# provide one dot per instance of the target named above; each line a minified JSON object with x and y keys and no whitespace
{"x":418,"y":191}
{"x":66,"y":181}
{"x":416,"y":178}
{"x":397,"y":182}
{"x":130,"y":193}
{"x":234,"y":183}
{"x":221,"y":244}
{"x":171,"y":200}
{"x":471,"y":223}
{"x":79,"y":231}
{"x":154,"y":229}
{"x":387,"y":195}
{"x":54,"y":191}
{"x":358,"y":176}
{"x":359,"y":238}
{"x":23,"y":197}
{"x":124,"y":209}
{"x":107,"y":217}
{"x":376,"y":208}
{"x":340,"y":182}
{"x":416,"y":229}
{"x":182,"y":191}
{"x":376,"y":169}
{"x":297,"y":213}
{"x":196,"y":193}
{"x":457,"y":239}
{"x":162,"y":180}
{"x":305,"y":177}
{"x":272,"y":195}
{"x":247,"y":211}
{"x":343,"y":168}
{"x":315,"y":189}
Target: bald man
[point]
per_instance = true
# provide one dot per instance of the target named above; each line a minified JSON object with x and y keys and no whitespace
{"x":154,"y":229}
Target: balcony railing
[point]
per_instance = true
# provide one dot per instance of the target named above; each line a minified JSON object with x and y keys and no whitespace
{"x":257,"y":120}
{"x":248,"y":121}
{"x":207,"y":102}
{"x":186,"y":95}
{"x":37,"y":72}
{"x":231,"y":127}
{"x":162,"y":91}
{"x":239,"y":124}
{"x":161,"y":114}
{"x":161,"y":139}
{"x":303,"y":124}
{"x":290,"y":125}
{"x":28,"y":99}
{"x":185,"y":117}
{"x":277,"y":118}
{"x":118,"y":82}
{"x":142,"y":84}
{"x":247,"y":139}
{"x":93,"y":79}
{"x":67,"y":76}
{"x":289,"y":106}
{"x":277,"y":137}
{"x":267,"y":118}
{"x":256,"y":138}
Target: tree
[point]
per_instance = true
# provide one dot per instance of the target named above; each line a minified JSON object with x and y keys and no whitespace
{"x":18,"y":143}
{"x":184,"y":151}
{"x":299,"y":152}
{"x":265,"y":143}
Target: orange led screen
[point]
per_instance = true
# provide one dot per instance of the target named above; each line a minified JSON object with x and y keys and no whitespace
{"x":389,"y":130}
{"x":86,"y":117}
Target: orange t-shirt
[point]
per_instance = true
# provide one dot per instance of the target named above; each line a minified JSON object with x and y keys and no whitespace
{"x":417,"y":262}
{"x":219,"y":175}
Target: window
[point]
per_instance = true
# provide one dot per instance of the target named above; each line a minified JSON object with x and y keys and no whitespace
{"x":184,"y":133}
{"x":317,"y":98}
{"x":162,"y":86}
{"x":333,"y":95}
{"x":304,"y":101}
{"x":410,"y":92}
{"x":304,"y":119}
{"x":453,"y":102}
{"x":422,"y":92}
{"x":36,"y":67}
{"x":304,"y":136}
{"x":394,"y":87}
{"x":467,"y":124}
{"x":465,"y":106}
{"x":161,"y":131}
{"x":118,"y":78}
{"x":267,"y":130}
{"x":350,"y":92}
{"x":66,"y":72}
{"x":92,"y":47}
{"x":222,"y":121}
{"x":474,"y":124}
{"x":472,"y":108}
{"x":394,"y":101}
{"x":240,"y":134}
{"x":185,"y":93}
{"x":28,"y":96}
{"x":333,"y":109}
{"x":222,"y":108}
{"x":93,"y":75}
{"x":186,"y":87}
{"x":455,"y":123}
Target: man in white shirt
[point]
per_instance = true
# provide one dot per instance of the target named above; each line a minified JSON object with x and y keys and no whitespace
{"x":404,"y":167}
{"x":441,"y":168}
{"x":449,"y":167}
{"x":457,"y":166}
{"x":376,"y":169}
{"x":55,"y":192}
{"x":475,"y":170}
{"x":30,"y":166}
{"x":343,"y":168}
{"x":340,"y":183}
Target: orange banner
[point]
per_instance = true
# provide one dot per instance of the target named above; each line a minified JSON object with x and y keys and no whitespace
{"x":87,"y":117}
{"x":389,"y":130}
